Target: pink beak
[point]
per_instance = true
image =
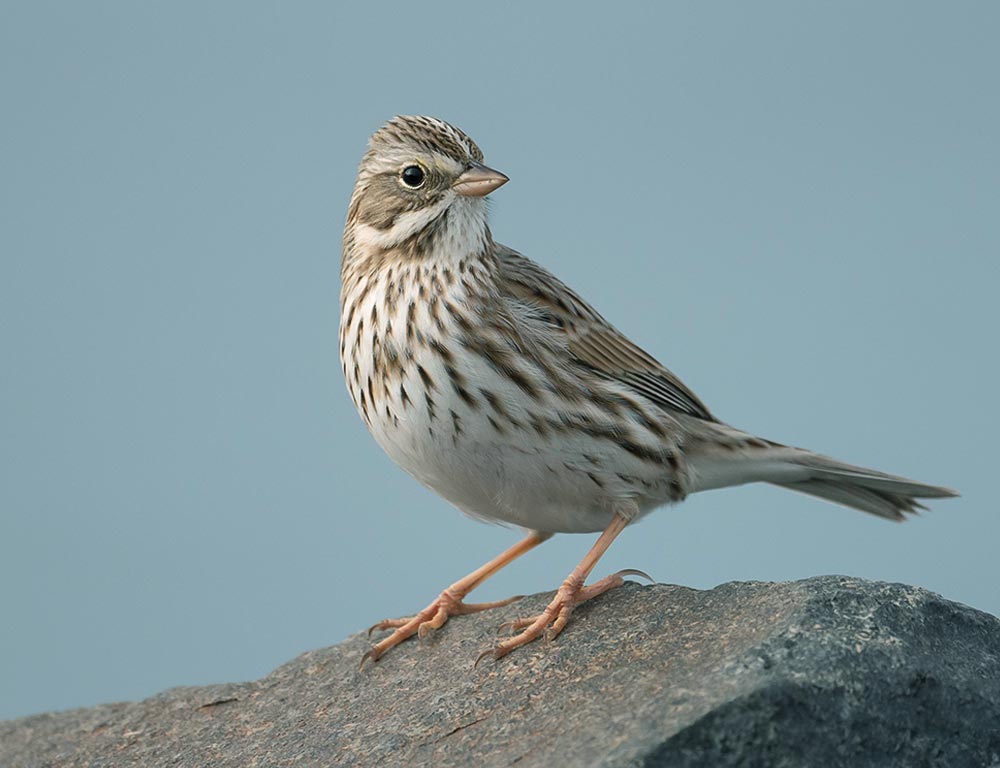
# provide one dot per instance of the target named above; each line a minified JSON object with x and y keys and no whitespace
{"x":479,"y":181}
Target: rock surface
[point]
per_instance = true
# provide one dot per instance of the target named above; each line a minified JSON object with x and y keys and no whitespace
{"x":827,"y":671}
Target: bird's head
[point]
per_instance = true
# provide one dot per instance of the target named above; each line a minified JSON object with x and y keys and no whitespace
{"x":421,"y":179}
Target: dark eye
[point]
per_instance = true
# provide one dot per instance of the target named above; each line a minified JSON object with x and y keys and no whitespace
{"x":413,"y":176}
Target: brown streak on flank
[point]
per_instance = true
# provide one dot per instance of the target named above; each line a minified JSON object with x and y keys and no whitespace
{"x":496,"y":425}
{"x":463,"y":322}
{"x":349,"y":317}
{"x":522,"y":382}
{"x":502,"y":361}
{"x":425,"y":377}
{"x":357,"y":333}
{"x":558,"y":426}
{"x":371,"y":392}
{"x":411,"y":316}
{"x":642,"y":452}
{"x":390,"y":296}
{"x":565,"y":388}
{"x":613,"y":403}
{"x":364,"y":406}
{"x":429,"y":401}
{"x":458,"y":384}
{"x":597,"y":482}
{"x":434,"y":308}
{"x":365,"y":289}
{"x":538,"y":424}
{"x":608,"y":432}
{"x":442,"y":351}
{"x":495,"y":403}
{"x":404,"y":398}
{"x":641,"y":417}
{"x":651,"y":424}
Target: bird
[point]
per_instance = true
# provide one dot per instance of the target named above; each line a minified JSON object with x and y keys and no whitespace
{"x":494,"y":384}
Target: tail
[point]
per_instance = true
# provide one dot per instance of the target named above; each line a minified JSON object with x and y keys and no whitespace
{"x":741,"y":458}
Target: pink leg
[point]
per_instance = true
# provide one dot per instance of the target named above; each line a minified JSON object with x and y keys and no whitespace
{"x":449,"y":602}
{"x":572,"y":593}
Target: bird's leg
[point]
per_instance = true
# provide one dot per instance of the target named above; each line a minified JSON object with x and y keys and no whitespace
{"x":449,"y":602}
{"x":551,"y":621}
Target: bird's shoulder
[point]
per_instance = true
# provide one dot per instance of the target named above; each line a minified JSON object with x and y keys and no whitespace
{"x":591,"y":339}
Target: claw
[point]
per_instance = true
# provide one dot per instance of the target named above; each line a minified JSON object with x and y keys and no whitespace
{"x":636,"y":572}
{"x":491,"y":652}
{"x":515,"y":624}
{"x":386,"y":624}
{"x":369,"y":654}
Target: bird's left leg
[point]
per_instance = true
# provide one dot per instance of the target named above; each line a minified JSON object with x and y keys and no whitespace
{"x":551,"y":621}
{"x":450,"y":601}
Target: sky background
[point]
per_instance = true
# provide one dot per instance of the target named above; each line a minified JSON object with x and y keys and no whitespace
{"x":795,"y":206}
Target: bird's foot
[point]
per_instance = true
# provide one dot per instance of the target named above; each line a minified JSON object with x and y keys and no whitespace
{"x":434,"y":616}
{"x":551,"y":621}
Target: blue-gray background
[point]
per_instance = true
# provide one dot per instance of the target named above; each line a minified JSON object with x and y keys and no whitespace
{"x":794,"y":205}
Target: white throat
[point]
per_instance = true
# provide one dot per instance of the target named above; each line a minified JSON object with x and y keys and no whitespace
{"x":465,"y":232}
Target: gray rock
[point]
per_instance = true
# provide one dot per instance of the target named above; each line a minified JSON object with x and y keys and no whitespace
{"x":828,"y":671}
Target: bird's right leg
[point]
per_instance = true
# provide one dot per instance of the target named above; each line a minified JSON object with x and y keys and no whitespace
{"x":449,"y":602}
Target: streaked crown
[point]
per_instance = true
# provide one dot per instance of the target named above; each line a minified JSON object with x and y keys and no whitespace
{"x":429,"y":133}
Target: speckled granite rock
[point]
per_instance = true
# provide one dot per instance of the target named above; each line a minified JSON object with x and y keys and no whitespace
{"x":828,"y":671}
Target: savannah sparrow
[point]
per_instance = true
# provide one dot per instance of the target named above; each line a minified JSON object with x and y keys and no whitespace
{"x":494,"y":384}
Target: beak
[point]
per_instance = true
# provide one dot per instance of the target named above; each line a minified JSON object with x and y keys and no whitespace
{"x":478,"y":181}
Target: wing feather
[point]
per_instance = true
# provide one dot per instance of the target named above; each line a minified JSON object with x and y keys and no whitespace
{"x":592,"y":340}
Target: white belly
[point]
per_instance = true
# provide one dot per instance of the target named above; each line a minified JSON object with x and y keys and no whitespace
{"x":475,"y":437}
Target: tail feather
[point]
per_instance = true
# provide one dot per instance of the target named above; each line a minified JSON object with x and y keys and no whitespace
{"x":811,"y":473}
{"x":890,"y":506}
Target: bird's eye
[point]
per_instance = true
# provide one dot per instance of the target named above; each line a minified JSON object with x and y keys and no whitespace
{"x":413,"y":176}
